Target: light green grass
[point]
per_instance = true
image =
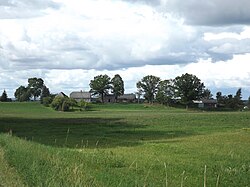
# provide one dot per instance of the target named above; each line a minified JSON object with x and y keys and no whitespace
{"x":8,"y":174}
{"x":125,"y":145}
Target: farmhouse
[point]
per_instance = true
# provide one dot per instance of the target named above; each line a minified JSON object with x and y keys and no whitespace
{"x":206,"y":103}
{"x":78,"y":96}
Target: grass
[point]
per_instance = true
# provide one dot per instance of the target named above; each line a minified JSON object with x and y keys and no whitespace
{"x":124,"y":145}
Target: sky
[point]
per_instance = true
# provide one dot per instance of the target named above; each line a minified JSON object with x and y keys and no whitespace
{"x":68,"y":43}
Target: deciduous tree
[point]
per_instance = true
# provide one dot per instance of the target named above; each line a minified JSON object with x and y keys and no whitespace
{"x":149,"y":86}
{"x":165,"y":92}
{"x":22,"y":94}
{"x":35,"y":86}
{"x":117,"y":86}
{"x":100,"y":85}
{"x":45,"y":93}
{"x":188,"y":87}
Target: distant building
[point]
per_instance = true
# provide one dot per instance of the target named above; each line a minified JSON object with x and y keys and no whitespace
{"x":206,"y":103}
{"x":127,"y":98}
{"x":78,"y":96}
{"x":110,"y":98}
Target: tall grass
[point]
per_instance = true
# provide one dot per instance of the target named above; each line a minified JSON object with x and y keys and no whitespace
{"x":133,"y":146}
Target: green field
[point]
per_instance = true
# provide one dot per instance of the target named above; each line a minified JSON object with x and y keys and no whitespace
{"x":123,"y":145}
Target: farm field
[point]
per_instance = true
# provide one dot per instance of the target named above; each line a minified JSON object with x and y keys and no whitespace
{"x":123,"y":145}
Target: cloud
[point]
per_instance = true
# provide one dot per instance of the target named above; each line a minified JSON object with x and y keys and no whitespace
{"x":110,"y":35}
{"x":212,"y":12}
{"x":60,"y":40}
{"x":77,"y":37}
{"x":18,"y":9}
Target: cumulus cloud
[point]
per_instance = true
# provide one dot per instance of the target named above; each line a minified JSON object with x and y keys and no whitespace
{"x":60,"y":39}
{"x":77,"y":37}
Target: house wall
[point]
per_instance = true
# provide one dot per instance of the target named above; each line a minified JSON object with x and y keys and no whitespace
{"x":85,"y":99}
{"x":109,"y":99}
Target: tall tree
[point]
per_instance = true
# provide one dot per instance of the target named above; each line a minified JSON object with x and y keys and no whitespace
{"x":139,"y":94}
{"x":238,"y":103}
{"x":45,"y":93}
{"x":117,"y":86}
{"x":188,"y":87}
{"x":149,"y":86}
{"x":100,"y":85}
{"x":35,"y":86}
{"x":165,"y":92}
{"x":207,"y":94}
{"x":4,"y":97}
{"x":22,"y":94}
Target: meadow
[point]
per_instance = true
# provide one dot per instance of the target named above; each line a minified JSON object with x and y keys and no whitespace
{"x":123,"y":145}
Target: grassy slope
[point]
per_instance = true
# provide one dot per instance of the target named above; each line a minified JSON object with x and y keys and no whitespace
{"x":126,"y":145}
{"x":8,"y":175}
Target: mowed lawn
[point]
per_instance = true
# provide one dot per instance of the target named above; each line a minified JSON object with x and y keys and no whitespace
{"x":123,"y":145}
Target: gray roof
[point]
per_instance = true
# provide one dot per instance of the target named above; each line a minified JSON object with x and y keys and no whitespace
{"x":209,"y":101}
{"x":80,"y":95}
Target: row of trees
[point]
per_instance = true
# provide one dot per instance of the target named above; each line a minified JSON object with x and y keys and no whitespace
{"x":187,"y":87}
{"x":184,"y":88}
{"x":103,"y":84}
{"x":231,"y":101}
{"x":36,"y":88}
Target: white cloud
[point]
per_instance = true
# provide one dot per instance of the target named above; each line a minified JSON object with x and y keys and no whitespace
{"x":69,"y":42}
{"x":245,"y":34}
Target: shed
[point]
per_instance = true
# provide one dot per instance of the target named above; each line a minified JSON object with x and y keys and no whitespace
{"x":206,"y":103}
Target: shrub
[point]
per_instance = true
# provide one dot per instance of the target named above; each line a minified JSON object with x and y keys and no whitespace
{"x":61,"y":103}
{"x":47,"y":101}
{"x":84,"y":105}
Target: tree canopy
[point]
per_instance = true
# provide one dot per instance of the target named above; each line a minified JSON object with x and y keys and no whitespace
{"x":4,"y":97}
{"x":117,"y":86}
{"x":44,"y":93}
{"x":230,"y":101}
{"x":149,"y":86}
{"x":22,"y":94}
{"x":100,"y":85}
{"x":35,"y":86}
{"x":165,"y":92}
{"x":188,"y":87}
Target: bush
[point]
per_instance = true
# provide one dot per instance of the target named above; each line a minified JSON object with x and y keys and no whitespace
{"x":84,"y":105}
{"x":61,"y":103}
{"x":46,"y":101}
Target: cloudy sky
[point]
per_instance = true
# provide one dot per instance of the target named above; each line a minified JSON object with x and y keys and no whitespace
{"x":67,"y":43}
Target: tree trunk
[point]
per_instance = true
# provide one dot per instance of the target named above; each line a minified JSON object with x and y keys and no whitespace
{"x":102,"y":95}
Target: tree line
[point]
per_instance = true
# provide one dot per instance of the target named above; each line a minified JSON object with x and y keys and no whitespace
{"x":36,"y":88}
{"x":180,"y":90}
